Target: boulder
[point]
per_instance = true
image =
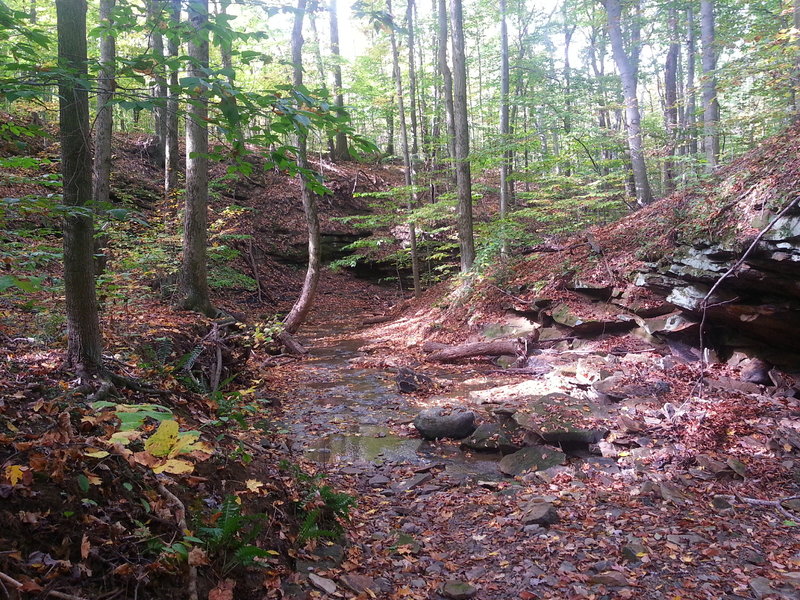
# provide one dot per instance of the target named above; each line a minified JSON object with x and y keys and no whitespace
{"x":409,"y":381}
{"x":458,"y":590}
{"x":533,"y":458}
{"x":435,"y":423}
{"x":489,"y":436}
{"x":561,"y":419}
{"x":540,"y":513}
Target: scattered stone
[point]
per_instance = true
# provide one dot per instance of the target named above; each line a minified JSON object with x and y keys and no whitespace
{"x":405,"y":540}
{"x":326,"y":585}
{"x":539,"y":513}
{"x":490,"y":436}
{"x":753,"y":557}
{"x":761,"y":587}
{"x":633,"y":552}
{"x":435,"y":423}
{"x":358,"y":584}
{"x":378,"y":480}
{"x":610,"y":578}
{"x":409,"y":381}
{"x":721,"y":503}
{"x":459,"y":590}
{"x":416,"y":481}
{"x":534,"y":458}
{"x":756,"y":371}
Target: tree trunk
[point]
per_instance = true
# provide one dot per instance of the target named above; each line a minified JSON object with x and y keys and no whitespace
{"x":303,"y":304}
{"x":710,"y":103}
{"x":154,"y":16}
{"x":505,"y":164}
{"x":691,"y":94}
{"x":398,"y":79}
{"x":671,"y":103}
{"x":193,"y":292}
{"x":412,"y":81}
{"x":796,"y":74}
{"x":628,"y":71}
{"x":447,"y":80}
{"x":84,"y":349}
{"x":104,"y":122}
{"x":340,"y":152}
{"x":461,"y":124}
{"x":569,"y":30}
{"x":171,"y":150}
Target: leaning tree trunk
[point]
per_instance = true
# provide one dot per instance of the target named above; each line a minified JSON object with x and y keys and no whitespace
{"x":84,"y":347}
{"x":461,"y":124}
{"x":303,"y":304}
{"x":104,"y":121}
{"x":171,"y":152}
{"x":710,"y":103}
{"x":193,"y":285}
{"x":340,"y":151}
{"x":627,"y":67}
{"x":398,"y":79}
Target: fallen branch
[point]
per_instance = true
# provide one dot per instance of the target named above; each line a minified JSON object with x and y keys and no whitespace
{"x":180,"y":518}
{"x":376,"y":320}
{"x":10,"y":580}
{"x":773,"y":503}
{"x":496,"y":348}
{"x":292,"y":345}
{"x":63,"y":596}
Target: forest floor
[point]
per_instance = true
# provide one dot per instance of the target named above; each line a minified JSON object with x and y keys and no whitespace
{"x":104,"y":501}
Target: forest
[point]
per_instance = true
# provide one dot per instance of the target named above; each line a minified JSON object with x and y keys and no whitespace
{"x":399,"y":301}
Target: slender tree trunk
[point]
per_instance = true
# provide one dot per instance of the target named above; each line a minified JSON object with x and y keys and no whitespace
{"x":303,"y":304}
{"x":710,"y":103}
{"x":447,"y":79}
{"x":84,"y":349}
{"x":193,"y":292}
{"x":569,"y":30}
{"x":505,"y":164}
{"x":104,"y":122}
{"x":172,"y":157}
{"x":32,"y":12}
{"x":398,"y":79}
{"x":796,"y":73}
{"x":691,"y":92}
{"x":412,"y":81}
{"x":340,"y":146}
{"x":312,"y":21}
{"x":628,"y":68}
{"x":671,"y":103}
{"x":154,"y":16}
{"x":461,"y":124}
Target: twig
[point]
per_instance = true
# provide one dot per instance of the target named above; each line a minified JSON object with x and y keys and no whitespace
{"x":180,"y":517}
{"x":63,"y":596}
{"x":10,"y":580}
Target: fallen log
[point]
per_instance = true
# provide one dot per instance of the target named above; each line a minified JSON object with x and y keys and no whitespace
{"x":494,"y":348}
{"x":376,"y":320}
{"x":434,"y":346}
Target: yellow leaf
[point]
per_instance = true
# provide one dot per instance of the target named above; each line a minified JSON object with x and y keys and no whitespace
{"x":95,"y":453}
{"x":124,"y":437}
{"x":14,"y":473}
{"x":94,"y":479}
{"x":162,"y":441}
{"x":174,"y":466}
{"x":184,"y":443}
{"x":253,"y":485}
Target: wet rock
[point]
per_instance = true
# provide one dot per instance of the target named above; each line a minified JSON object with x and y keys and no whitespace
{"x":539,"y":513}
{"x":409,"y":381}
{"x":533,"y":458}
{"x":434,"y":423}
{"x":490,"y":436}
{"x":756,"y":371}
{"x":458,"y":590}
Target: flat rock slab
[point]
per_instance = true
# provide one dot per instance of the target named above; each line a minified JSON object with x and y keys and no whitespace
{"x":533,"y":458}
{"x":539,"y":513}
{"x":435,"y":423}
{"x":459,"y":590}
{"x":490,"y":437}
{"x":561,"y":419}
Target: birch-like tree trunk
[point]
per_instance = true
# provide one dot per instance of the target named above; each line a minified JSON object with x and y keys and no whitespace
{"x":466,"y":238}
{"x":84,"y":346}
{"x":710,"y":103}
{"x":104,"y":121}
{"x":193,"y":286}
{"x":628,"y":67}
{"x":304,"y":302}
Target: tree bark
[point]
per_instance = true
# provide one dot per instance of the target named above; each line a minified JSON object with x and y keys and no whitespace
{"x":154,"y":16}
{"x":407,"y":166}
{"x":495,"y":348}
{"x":340,"y":151}
{"x":171,"y":150}
{"x":710,"y":103}
{"x":303,"y":304}
{"x":193,"y":289}
{"x":628,"y":67}
{"x":447,"y":80}
{"x":691,"y":93}
{"x":461,"y":124}
{"x":84,"y":346}
{"x":796,"y":73}
{"x":505,"y":163}
{"x":671,"y":103}
{"x":104,"y":122}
